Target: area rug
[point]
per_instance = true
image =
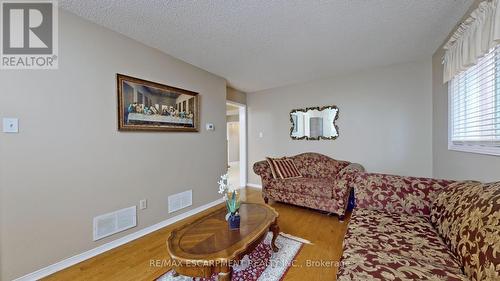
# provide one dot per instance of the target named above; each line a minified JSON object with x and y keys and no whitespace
{"x":262,"y":264}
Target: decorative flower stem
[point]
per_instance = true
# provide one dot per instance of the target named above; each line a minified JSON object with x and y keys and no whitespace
{"x":230,"y":195}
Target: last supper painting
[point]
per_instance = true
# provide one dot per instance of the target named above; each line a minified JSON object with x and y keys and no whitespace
{"x":148,"y":106}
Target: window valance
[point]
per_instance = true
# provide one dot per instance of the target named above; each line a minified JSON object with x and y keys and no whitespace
{"x":473,"y":39}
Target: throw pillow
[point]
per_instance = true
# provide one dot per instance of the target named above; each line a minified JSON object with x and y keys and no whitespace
{"x":283,"y":168}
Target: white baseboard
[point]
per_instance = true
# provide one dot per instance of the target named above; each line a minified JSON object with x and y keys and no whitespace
{"x":254,"y":185}
{"x":58,"y":266}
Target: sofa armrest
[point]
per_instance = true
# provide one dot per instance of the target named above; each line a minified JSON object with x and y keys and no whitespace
{"x":345,"y":181}
{"x":263,"y":170}
{"x":350,"y":171}
{"x":397,"y":194}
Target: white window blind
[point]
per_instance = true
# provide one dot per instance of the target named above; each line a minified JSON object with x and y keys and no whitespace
{"x":475,"y":107}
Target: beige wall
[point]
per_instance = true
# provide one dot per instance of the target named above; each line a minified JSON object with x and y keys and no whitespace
{"x":236,"y":96}
{"x":69,"y":163}
{"x":385,"y":119}
{"x":454,"y":164}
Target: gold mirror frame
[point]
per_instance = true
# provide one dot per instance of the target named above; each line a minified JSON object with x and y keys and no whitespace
{"x":334,"y":107}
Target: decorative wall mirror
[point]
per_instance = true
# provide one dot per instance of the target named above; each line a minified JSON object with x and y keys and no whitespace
{"x":314,"y":123}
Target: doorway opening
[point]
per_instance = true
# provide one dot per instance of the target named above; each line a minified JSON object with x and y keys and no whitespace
{"x":236,"y":144}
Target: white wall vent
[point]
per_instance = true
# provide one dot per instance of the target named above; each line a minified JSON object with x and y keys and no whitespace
{"x":180,"y":201}
{"x":114,"y":222}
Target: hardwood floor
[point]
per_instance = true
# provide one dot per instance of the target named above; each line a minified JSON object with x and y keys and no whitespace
{"x":131,"y":262}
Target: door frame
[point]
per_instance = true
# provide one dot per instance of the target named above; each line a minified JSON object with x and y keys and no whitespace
{"x":242,"y":116}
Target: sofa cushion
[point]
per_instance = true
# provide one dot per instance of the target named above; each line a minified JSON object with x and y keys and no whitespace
{"x":467,"y":216}
{"x":385,"y":246}
{"x":306,"y":186}
{"x":361,"y":264}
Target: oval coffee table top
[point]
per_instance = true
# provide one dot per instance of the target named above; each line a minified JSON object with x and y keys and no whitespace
{"x":209,"y":237}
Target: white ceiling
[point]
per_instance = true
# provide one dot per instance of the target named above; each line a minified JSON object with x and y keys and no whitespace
{"x":261,"y":44}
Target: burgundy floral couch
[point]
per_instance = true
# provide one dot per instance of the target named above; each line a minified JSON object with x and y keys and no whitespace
{"x":325,"y":183}
{"x":408,"y":228}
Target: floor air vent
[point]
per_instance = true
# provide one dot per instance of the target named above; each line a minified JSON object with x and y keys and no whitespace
{"x":114,"y":222}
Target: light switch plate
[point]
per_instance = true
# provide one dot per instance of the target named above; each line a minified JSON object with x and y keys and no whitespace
{"x":10,"y":125}
{"x":143,"y":204}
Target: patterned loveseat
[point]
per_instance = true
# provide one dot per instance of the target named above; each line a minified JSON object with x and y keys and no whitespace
{"x":408,"y":228}
{"x":324,"y":185}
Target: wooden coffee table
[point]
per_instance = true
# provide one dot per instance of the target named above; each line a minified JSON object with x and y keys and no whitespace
{"x":207,"y":245}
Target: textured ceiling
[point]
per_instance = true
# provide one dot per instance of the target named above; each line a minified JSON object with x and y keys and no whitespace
{"x":262,"y":44}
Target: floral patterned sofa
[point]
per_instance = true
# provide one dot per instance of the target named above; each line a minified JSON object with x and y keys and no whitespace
{"x":406,"y":228}
{"x":324,"y":185}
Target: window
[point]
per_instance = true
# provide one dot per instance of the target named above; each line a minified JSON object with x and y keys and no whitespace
{"x":475,"y":107}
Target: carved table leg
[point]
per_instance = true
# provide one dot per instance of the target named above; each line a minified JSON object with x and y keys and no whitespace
{"x":225,"y":274}
{"x":275,"y":228}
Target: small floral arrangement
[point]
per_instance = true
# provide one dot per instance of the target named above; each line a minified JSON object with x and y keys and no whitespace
{"x":230,"y":195}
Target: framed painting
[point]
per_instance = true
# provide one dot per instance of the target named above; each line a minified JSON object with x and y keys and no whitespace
{"x":148,"y":106}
